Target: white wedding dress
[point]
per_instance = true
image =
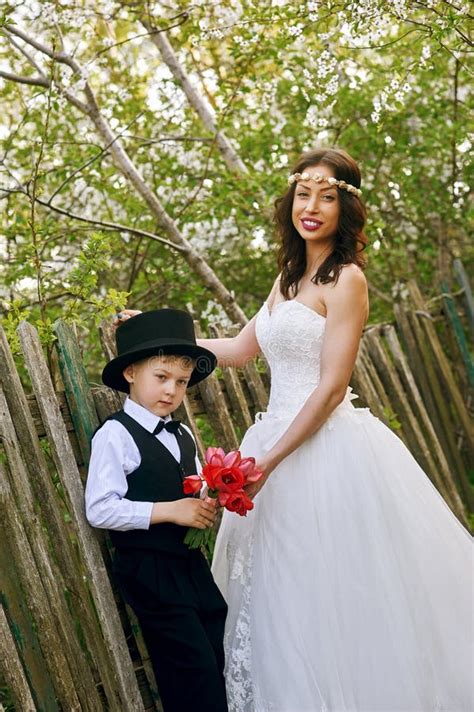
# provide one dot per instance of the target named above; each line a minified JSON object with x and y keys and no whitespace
{"x":350,"y":583}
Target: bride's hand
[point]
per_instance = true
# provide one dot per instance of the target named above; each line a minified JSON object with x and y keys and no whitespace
{"x":124,"y":315}
{"x":254,"y":488}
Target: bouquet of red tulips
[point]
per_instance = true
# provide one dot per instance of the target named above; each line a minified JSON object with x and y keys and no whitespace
{"x":226,"y":476}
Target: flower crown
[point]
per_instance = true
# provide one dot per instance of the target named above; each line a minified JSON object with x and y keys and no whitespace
{"x":319,"y":178}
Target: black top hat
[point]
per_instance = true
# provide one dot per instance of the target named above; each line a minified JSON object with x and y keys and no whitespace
{"x":154,"y":333}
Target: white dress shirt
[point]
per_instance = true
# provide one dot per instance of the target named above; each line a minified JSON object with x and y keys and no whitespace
{"x":114,"y":456}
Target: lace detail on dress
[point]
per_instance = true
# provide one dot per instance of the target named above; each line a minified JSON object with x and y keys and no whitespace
{"x":237,"y":642}
{"x":292,"y":347}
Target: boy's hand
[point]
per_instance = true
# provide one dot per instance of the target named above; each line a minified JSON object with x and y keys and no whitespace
{"x":124,"y":315}
{"x":199,"y":513}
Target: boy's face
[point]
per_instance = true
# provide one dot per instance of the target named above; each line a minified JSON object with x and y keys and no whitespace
{"x":159,"y":383}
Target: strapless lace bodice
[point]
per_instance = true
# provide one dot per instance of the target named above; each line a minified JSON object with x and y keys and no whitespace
{"x":291,"y":339}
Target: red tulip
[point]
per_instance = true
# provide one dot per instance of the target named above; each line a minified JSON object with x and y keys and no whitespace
{"x":222,"y":498}
{"x":192,"y":484}
{"x":232,"y":459}
{"x":215,"y":456}
{"x":251,"y":473}
{"x":238,"y":502}
{"x":229,"y":479}
{"x":210,"y":473}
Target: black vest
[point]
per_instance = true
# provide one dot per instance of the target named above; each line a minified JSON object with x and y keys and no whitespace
{"x":159,"y":478}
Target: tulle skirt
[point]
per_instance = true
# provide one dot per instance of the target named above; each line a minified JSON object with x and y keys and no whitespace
{"x":350,"y":583}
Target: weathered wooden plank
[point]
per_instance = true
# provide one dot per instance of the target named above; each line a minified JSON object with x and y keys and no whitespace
{"x":76,"y":386}
{"x":107,"y":339}
{"x":436,"y":400}
{"x":256,"y":386}
{"x":257,"y":383}
{"x":12,"y":669}
{"x":239,"y":407}
{"x":33,"y":581}
{"x":364,"y":387}
{"x":456,"y":325}
{"x":38,"y":487}
{"x":449,"y":490}
{"x":412,"y":434}
{"x":106,"y":401}
{"x":381,"y":405}
{"x":51,"y":576}
{"x":454,"y":396}
{"x":22,"y":624}
{"x":453,"y":412}
{"x":36,"y":415}
{"x":218,"y":413}
{"x":463,"y":279}
{"x":407,"y":327}
{"x":185,"y":413}
{"x":216,"y":409}
{"x":127,"y":696}
{"x":443,"y":367}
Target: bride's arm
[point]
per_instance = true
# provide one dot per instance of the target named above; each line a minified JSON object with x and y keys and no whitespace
{"x":234,"y":351}
{"x":347,"y":308}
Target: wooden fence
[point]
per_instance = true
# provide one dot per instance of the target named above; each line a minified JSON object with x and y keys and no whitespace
{"x":67,"y":642}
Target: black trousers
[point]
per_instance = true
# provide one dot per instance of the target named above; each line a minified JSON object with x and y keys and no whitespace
{"x":182,"y":615}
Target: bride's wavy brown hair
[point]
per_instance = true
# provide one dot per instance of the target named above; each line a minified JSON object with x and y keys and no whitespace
{"x":349,"y":240}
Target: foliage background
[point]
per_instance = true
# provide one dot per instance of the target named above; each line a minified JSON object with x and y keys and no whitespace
{"x":386,"y":81}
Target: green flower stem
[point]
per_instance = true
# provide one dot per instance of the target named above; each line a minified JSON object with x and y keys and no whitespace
{"x":204,"y":539}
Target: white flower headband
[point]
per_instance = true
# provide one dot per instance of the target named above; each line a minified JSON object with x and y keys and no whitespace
{"x":319,"y":178}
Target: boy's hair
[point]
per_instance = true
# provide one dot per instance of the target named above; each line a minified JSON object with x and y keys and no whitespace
{"x":182,"y":360}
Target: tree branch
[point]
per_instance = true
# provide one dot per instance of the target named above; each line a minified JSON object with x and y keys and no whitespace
{"x":110,"y":225}
{"x":14,"y":30}
{"x":232,"y":160}
{"x":28,"y":56}
{"x":33,"y":81}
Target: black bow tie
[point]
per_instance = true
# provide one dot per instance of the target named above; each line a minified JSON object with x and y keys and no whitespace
{"x":172,"y":426}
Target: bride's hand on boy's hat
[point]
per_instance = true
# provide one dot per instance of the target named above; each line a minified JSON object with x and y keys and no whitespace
{"x":123,"y":315}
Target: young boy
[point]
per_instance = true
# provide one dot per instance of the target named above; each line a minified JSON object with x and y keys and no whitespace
{"x":135,"y":489}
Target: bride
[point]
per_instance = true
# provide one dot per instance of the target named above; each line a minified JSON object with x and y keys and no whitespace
{"x":350,"y":584}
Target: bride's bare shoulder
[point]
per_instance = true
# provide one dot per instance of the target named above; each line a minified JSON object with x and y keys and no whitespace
{"x":350,"y":291}
{"x":351,"y":279}
{"x":352,"y":271}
